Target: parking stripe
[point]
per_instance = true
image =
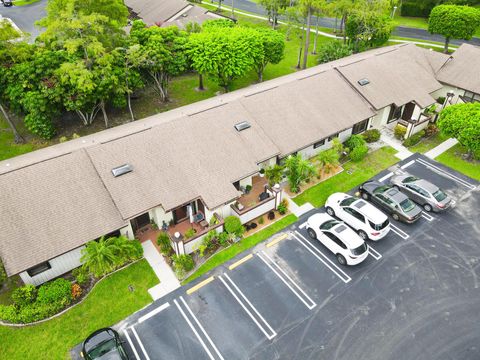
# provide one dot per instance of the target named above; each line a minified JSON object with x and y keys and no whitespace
{"x":131,"y":344}
{"x":303,"y":225}
{"x":240,"y":262}
{"x":399,"y":232}
{"x":262,"y":329}
{"x":207,"y":350}
{"x":404,"y":166}
{"x":201,"y":327}
{"x":277,"y":240}
{"x":200,"y":285}
{"x":375,"y":254}
{"x":326,"y":261}
{"x":446,"y":174}
{"x":389,"y":175}
{"x":153,"y":312}
{"x":428,"y":217}
{"x":140,"y":343}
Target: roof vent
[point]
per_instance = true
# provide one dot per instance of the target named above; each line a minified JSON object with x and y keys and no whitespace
{"x":242,"y":126}
{"x":122,"y":170}
{"x":363,"y":82}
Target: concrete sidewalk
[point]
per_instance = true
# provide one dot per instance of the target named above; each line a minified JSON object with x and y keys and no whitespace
{"x":168,"y":280}
{"x":440,"y":149}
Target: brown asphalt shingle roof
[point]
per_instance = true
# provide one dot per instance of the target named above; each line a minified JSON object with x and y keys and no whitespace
{"x":462,"y":69}
{"x":158,"y":11}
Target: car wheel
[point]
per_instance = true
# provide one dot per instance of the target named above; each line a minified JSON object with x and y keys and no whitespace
{"x":312,"y":233}
{"x":427,"y":207}
{"x":365,"y":196}
{"x":396,"y":217}
{"x":330,"y":211}
{"x":341,"y":259}
{"x":363,"y":235}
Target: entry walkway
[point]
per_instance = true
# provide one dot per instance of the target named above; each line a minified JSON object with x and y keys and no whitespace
{"x":294,"y":208}
{"x":388,"y":138}
{"x":440,"y":149}
{"x":168,"y":280}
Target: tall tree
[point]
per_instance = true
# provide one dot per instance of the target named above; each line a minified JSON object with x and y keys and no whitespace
{"x":298,"y":170}
{"x":273,"y":50}
{"x":454,"y":22}
{"x":310,"y":7}
{"x":274,"y":8}
{"x":165,"y":53}
{"x":367,"y":29}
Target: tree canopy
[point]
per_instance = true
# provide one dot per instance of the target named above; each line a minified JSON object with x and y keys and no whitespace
{"x":454,"y":22}
{"x":366,"y":29}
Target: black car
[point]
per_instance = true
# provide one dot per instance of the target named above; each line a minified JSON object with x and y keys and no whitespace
{"x":391,"y":200}
{"x":7,"y":3}
{"x":104,"y":344}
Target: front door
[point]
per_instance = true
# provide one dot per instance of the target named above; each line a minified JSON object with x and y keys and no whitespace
{"x":180,"y":214}
{"x":139,"y":222}
{"x":408,"y":111}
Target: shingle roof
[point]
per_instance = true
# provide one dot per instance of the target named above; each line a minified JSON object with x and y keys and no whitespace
{"x":398,"y":76}
{"x":50,"y":208}
{"x":462,"y":69}
{"x":159,"y":11}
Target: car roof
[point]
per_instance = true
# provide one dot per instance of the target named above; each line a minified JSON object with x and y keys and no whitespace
{"x":347,"y":235}
{"x":395,"y":195}
{"x":426,"y":185}
{"x":369,"y":210}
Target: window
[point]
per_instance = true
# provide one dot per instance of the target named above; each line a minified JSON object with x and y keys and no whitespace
{"x":336,"y":240}
{"x":328,"y":225}
{"x":348,"y":201}
{"x":330,"y":138}
{"x":395,"y":113}
{"x":38,"y":269}
{"x":356,"y":214}
{"x":319,"y":143}
{"x":384,"y":199}
{"x":470,"y":97}
{"x":360,"y":127}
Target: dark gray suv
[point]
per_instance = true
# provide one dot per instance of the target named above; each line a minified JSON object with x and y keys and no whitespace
{"x":391,"y":200}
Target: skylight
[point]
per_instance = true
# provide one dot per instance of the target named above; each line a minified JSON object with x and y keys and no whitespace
{"x":122,"y":170}
{"x":242,"y":126}
{"x":364,"y":82}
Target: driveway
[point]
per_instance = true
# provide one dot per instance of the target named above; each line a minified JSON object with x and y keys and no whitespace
{"x":415,"y":297}
{"x":26,"y":16}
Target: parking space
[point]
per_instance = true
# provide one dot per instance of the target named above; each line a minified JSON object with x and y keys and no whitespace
{"x":414,"y":297}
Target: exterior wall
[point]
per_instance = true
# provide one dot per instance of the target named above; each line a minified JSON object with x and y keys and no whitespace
{"x":246,"y":181}
{"x":257,"y":211}
{"x":159,"y":216}
{"x":268,"y":163}
{"x":193,"y":245}
{"x":416,"y":112}
{"x":223,"y":211}
{"x":310,"y":152}
{"x":446,"y":88}
{"x":127,"y":231}
{"x":60,"y":265}
{"x":420,"y":127}
{"x":380,"y":119}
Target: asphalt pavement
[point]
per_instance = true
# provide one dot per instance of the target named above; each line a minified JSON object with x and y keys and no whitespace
{"x":26,"y":16}
{"x":415,"y":297}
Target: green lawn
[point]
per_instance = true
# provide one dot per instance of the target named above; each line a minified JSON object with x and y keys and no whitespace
{"x":453,"y":158}
{"x":428,"y":143}
{"x":8,"y":148}
{"x":108,"y":303}
{"x":24,"y":2}
{"x":244,"y":244}
{"x":359,"y":172}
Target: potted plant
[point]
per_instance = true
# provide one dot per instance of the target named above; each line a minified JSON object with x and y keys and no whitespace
{"x":248,"y":188}
{"x":261,"y":173}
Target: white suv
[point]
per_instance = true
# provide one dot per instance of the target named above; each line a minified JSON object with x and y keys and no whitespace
{"x":348,"y":247}
{"x":366,"y":219}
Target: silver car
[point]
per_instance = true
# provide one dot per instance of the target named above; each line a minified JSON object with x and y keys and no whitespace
{"x":423,"y":192}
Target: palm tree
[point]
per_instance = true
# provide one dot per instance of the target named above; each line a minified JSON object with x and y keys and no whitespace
{"x":298,"y":170}
{"x":99,"y":257}
{"x":274,"y":174}
{"x":328,"y":159}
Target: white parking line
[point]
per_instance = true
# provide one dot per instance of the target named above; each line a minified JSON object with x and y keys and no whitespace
{"x":428,"y":217}
{"x":303,"y":225}
{"x":404,"y":166}
{"x":312,"y":303}
{"x":399,"y":232}
{"x":131,"y":344}
{"x":207,"y":350}
{"x":326,"y":261}
{"x":140,"y":343}
{"x":153,"y":312}
{"x":269,"y":337}
{"x":446,"y":174}
{"x":375,"y":254}
{"x":389,"y":175}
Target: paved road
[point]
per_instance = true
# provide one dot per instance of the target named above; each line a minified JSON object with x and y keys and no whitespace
{"x":416,"y":297}
{"x":25,"y":16}
{"x":401,"y":31}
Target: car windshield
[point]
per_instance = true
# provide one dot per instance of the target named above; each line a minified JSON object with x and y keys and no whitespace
{"x":407,"y":205}
{"x":348,"y":201}
{"x":328,"y":225}
{"x":381,"y":189}
{"x":439,"y":195}
{"x":409,"y":179}
{"x":359,"y":250}
{"x":104,"y":350}
{"x":379,"y":227}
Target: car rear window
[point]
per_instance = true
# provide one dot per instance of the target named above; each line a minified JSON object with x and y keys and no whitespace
{"x":348,"y":201}
{"x":360,"y":250}
{"x":439,"y":195}
{"x":407,"y":205}
{"x":379,"y":226}
{"x":409,"y":179}
{"x":339,"y":229}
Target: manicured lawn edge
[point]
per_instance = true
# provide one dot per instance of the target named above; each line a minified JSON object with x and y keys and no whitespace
{"x":108,"y":303}
{"x":244,"y":244}
{"x":354,"y":175}
{"x":452,"y":159}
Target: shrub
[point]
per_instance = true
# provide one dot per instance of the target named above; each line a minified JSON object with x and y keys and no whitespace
{"x":283,"y":207}
{"x":208,"y":243}
{"x":163,"y":241}
{"x":63,"y":139}
{"x":234,"y":226}
{"x":358,"y":153}
{"x":441,"y":99}
{"x":182,"y":264}
{"x":414,"y":139}
{"x":81,"y":275}
{"x":75,"y":136}
{"x":371,"y":136}
{"x":76,"y":291}
{"x":355,"y":141}
{"x":58,"y":291}
{"x":298,"y":170}
{"x":332,"y":50}
{"x":248,"y":188}
{"x":399,"y":131}
{"x":223,"y":239}
{"x":417,"y":8}
{"x":24,"y":295}
{"x":190,"y":233}
{"x":261,"y":220}
{"x":274,"y":174}
{"x":214,"y":220}
{"x":328,"y":160}
{"x":29,"y":313}
{"x":3,"y":274}
{"x":431,"y":130}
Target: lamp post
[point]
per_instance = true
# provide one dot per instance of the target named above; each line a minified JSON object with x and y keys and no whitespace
{"x":393,"y":11}
{"x":448,"y":98}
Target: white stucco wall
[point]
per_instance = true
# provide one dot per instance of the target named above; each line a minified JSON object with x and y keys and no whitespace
{"x":223,"y":211}
{"x":380,"y":119}
{"x":246,"y":181}
{"x":447,"y":88}
{"x":127,"y":231}
{"x":193,"y":245}
{"x":258,"y":211}
{"x":159,"y":215}
{"x":59,"y":266}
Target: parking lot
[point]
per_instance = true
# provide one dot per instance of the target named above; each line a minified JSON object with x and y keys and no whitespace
{"x":416,"y":296}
